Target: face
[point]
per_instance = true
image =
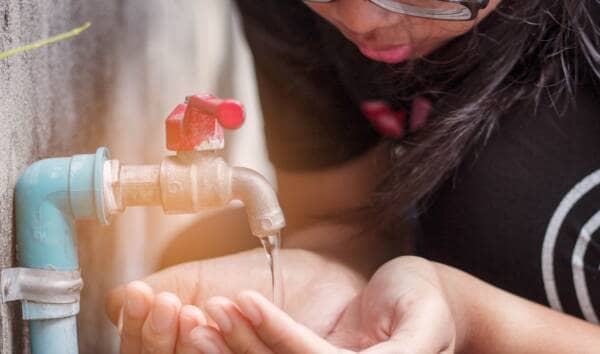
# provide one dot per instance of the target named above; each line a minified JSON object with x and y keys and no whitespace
{"x":389,"y":37}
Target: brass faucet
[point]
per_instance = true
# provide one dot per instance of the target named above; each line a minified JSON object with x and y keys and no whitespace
{"x":195,"y":178}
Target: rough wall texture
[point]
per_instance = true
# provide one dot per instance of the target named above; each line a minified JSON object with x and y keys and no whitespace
{"x":112,"y":85}
{"x":51,"y":101}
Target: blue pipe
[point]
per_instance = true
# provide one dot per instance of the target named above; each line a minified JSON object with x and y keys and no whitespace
{"x":49,"y":196}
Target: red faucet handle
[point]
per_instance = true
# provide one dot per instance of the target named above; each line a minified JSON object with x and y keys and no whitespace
{"x":198,"y":123}
{"x":229,"y":113}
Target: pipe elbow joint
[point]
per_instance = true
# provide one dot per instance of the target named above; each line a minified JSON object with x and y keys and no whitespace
{"x":262,"y":207}
{"x":49,"y":195}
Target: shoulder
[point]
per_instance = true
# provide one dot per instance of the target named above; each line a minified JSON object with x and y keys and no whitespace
{"x":553,"y":118}
{"x":492,"y":218}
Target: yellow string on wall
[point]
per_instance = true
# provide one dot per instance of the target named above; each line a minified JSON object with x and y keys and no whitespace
{"x":59,"y":37}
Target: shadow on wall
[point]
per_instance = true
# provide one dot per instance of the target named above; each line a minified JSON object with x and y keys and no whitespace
{"x":112,"y":85}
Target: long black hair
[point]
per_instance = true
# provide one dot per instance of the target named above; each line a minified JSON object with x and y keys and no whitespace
{"x":521,"y":52}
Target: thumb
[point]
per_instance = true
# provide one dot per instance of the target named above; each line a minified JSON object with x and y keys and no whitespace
{"x":425,"y":328}
{"x":113,"y":304}
{"x":278,"y":330}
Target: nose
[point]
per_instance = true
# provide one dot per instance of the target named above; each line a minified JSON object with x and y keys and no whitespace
{"x":360,"y":16}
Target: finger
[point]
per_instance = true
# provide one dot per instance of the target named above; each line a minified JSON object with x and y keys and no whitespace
{"x":208,"y":341}
{"x":400,"y":346}
{"x":279,"y":331}
{"x":423,"y":328}
{"x":138,"y":301}
{"x":182,"y":280}
{"x":428,"y":326}
{"x":160,"y":329}
{"x":235,"y":329}
{"x":113,"y":304}
{"x":190,"y":317}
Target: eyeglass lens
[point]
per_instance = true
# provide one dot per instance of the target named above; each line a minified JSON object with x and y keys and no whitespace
{"x":424,"y":8}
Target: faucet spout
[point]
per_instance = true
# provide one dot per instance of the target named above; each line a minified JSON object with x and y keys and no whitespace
{"x":188,"y":183}
{"x":264,"y":213}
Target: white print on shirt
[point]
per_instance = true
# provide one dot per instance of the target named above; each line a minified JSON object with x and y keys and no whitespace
{"x":577,"y":259}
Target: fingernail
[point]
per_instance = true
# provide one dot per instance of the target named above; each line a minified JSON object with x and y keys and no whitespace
{"x":217,"y":312}
{"x":164,"y":313}
{"x":136,"y":304}
{"x":250,"y":309}
{"x":192,"y":315}
{"x":204,"y":343}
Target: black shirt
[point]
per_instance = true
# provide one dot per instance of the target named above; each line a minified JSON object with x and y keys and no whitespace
{"x":524,"y":214}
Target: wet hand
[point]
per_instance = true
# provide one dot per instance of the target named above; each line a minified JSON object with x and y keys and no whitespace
{"x":155,"y":318}
{"x":403,"y":309}
{"x":157,"y":323}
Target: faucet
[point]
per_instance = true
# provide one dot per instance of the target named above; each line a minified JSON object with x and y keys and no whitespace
{"x":53,"y":193}
{"x":195,"y":178}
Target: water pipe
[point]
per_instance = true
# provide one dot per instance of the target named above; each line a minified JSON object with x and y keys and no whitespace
{"x":49,"y":196}
{"x":52,"y":193}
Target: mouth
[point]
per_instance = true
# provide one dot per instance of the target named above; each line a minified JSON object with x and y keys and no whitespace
{"x":389,"y":55}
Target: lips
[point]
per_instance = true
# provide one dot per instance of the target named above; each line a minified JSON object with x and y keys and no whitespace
{"x":390,"y":55}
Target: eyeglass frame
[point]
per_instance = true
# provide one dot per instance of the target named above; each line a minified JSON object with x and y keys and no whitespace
{"x":473,"y":6}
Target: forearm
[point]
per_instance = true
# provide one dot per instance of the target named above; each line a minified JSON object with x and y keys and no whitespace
{"x":309,"y":197}
{"x":312,"y":200}
{"x":345,"y":244}
{"x":495,"y":321}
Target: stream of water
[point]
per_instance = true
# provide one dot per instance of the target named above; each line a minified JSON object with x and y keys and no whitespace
{"x":272,"y":246}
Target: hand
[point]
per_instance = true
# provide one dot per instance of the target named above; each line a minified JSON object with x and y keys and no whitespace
{"x":318,"y":289}
{"x":403,"y":309}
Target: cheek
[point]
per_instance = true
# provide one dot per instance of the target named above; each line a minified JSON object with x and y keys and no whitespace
{"x":428,"y":35}
{"x":422,"y":29}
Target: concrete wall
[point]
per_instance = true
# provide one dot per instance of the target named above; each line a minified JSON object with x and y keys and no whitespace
{"x":112,"y":85}
{"x":51,"y":101}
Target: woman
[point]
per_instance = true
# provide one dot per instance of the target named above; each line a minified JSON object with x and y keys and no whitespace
{"x":480,"y":118}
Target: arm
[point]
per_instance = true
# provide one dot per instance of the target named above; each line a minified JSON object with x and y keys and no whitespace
{"x":495,"y":321}
{"x":412,"y":305}
{"x":310,"y":198}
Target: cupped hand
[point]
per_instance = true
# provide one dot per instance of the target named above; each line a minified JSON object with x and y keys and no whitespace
{"x":155,"y":315}
{"x":403,"y":309}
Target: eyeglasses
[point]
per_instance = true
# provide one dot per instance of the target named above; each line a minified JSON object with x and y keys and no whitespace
{"x":448,"y":10}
